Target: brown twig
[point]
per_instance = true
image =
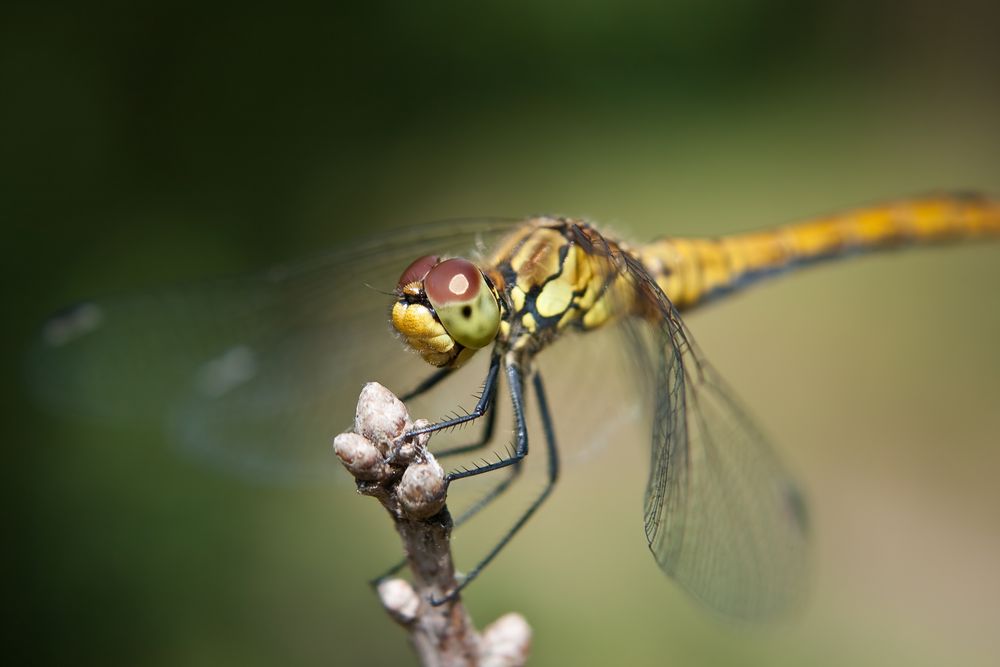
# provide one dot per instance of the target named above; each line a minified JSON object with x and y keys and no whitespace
{"x":404,"y":476}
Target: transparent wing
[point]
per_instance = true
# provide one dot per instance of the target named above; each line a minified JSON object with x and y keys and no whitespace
{"x":251,"y":373}
{"x":722,"y":516}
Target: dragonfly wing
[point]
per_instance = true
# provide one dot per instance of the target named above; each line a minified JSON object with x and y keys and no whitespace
{"x":722,"y":515}
{"x":255,"y":373}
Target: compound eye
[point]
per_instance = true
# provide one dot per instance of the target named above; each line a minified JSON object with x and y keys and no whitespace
{"x":416,"y":271}
{"x":463,"y":302}
{"x":452,"y":280}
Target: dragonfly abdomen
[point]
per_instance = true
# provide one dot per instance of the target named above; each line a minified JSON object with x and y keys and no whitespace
{"x":692,"y":270}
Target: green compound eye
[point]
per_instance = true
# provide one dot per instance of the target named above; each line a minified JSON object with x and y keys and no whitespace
{"x":463,"y":302}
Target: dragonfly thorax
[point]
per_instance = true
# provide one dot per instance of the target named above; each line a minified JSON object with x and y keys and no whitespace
{"x":446,"y":309}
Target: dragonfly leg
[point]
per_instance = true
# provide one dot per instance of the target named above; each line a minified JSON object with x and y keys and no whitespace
{"x":466,"y":514}
{"x":482,"y":405}
{"x":553,"y":475}
{"x":484,"y":438}
{"x":429,"y":383}
{"x":521,"y":429}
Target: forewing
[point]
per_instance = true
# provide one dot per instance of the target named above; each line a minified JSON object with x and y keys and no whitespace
{"x":722,"y":515}
{"x":252,"y":373}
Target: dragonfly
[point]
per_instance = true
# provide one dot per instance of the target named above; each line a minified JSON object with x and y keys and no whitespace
{"x":252,"y":373}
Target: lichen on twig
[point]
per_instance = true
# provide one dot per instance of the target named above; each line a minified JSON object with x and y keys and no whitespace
{"x":410,"y":484}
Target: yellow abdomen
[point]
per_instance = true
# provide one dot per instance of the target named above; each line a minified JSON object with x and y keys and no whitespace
{"x":690,"y":270}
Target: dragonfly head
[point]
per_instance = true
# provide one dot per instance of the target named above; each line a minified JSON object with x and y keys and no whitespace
{"x":446,"y":309}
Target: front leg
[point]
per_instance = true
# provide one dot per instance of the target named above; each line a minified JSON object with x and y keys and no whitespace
{"x":514,"y":377}
{"x":482,"y":405}
{"x":521,"y":450}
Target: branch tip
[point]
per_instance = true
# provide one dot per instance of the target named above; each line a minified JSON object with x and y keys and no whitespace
{"x":404,"y":476}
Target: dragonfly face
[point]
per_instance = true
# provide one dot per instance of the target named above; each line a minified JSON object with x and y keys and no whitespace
{"x":446,"y":309}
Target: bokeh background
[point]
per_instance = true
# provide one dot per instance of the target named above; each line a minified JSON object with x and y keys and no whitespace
{"x":144,"y":145}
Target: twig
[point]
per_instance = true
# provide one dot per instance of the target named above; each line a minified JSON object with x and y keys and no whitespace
{"x":404,"y":476}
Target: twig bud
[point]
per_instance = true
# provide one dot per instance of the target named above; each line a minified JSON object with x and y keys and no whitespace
{"x":361,"y":457}
{"x":399,"y":599}
{"x":422,"y":490}
{"x":506,"y":642}
{"x":380,"y":416}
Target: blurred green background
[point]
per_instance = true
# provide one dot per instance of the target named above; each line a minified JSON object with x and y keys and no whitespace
{"x":176,"y":141}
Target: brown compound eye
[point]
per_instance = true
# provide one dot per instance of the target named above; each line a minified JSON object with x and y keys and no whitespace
{"x":463,"y":302}
{"x":451,"y":281}
{"x":416,"y":271}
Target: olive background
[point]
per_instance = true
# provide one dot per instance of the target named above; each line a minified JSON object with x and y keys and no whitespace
{"x":144,"y":145}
